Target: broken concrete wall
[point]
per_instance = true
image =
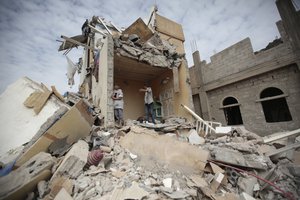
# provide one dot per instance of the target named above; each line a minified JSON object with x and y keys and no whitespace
{"x":18,"y":124}
{"x":18,"y":183}
{"x":239,"y":57}
{"x":176,"y":37}
{"x":228,"y":61}
{"x":102,"y":90}
{"x":75,"y":124}
{"x":169,"y":27}
{"x":83,"y":82}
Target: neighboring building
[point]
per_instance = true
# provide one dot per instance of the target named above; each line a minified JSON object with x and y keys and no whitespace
{"x":260,"y":90}
{"x":150,"y":53}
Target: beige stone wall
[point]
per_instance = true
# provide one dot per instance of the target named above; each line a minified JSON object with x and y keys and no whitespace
{"x":239,"y":57}
{"x":247,"y":92}
{"x":175,"y":36}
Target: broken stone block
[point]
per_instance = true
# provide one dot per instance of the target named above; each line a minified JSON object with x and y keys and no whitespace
{"x":198,"y":181}
{"x":25,"y":179}
{"x":57,"y":184}
{"x":257,"y":161}
{"x":134,"y":192}
{"x":246,"y":147}
{"x":132,"y":51}
{"x":74,"y":161}
{"x":124,"y":37}
{"x":126,"y":54}
{"x":176,"y":155}
{"x":213,"y":168}
{"x":229,"y":156}
{"x":59,"y":147}
{"x":75,"y":124}
{"x":132,"y":156}
{"x":155,"y":40}
{"x":245,"y":196}
{"x":222,"y":139}
{"x":223,"y":130}
{"x":159,"y":61}
{"x":217,"y":181}
{"x":232,"y":176}
{"x":118,"y":174}
{"x":294,"y":170}
{"x":178,"y":194}
{"x":42,"y":188}
{"x":247,"y":184}
{"x":63,"y":195}
{"x":194,"y":138}
{"x":167,"y":182}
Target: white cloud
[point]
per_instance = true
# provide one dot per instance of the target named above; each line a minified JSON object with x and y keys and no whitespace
{"x":29,"y":29}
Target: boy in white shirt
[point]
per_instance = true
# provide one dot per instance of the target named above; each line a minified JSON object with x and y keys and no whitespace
{"x":148,"y":103}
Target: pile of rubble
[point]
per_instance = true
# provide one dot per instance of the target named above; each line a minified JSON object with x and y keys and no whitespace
{"x":73,"y":157}
{"x":154,"y":51}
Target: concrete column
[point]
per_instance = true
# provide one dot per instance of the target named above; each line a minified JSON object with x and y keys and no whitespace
{"x":202,"y":94}
{"x":110,"y":81}
{"x":291,"y":21}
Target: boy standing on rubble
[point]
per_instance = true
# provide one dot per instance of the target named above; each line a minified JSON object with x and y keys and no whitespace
{"x":148,"y":102}
{"x":118,"y":104}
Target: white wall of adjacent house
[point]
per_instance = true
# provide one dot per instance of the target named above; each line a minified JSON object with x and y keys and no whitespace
{"x":18,"y":124}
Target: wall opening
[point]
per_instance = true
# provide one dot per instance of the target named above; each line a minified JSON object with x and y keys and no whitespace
{"x":131,"y":75}
{"x":232,"y":111}
{"x":274,"y":105}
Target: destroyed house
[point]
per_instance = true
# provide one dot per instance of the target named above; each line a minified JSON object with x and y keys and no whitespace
{"x":260,"y":90}
{"x":144,"y":53}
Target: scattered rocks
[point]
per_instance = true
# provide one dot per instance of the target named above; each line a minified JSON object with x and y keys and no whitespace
{"x":143,"y":162}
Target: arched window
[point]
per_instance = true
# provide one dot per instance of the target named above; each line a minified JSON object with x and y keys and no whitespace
{"x":274,"y":105}
{"x":232,"y":111}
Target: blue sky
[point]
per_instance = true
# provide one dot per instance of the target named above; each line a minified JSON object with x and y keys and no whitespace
{"x":29,"y":30}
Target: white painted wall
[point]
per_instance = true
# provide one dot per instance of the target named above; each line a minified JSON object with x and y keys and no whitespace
{"x":18,"y":124}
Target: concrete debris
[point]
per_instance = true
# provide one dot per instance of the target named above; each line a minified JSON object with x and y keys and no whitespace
{"x":214,"y":185}
{"x":247,"y":184}
{"x":134,"y":192}
{"x":42,"y":188}
{"x":25,"y":179}
{"x":179,"y":194}
{"x":245,"y":196}
{"x":63,"y":195}
{"x":132,"y":156}
{"x":74,"y":161}
{"x":168,"y":160}
{"x":223,"y":130}
{"x":155,"y":51}
{"x":194,"y":138}
{"x":18,"y":118}
{"x":167,"y":182}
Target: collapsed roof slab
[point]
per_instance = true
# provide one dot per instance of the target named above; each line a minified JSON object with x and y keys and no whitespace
{"x":72,"y":42}
{"x":132,"y":69}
